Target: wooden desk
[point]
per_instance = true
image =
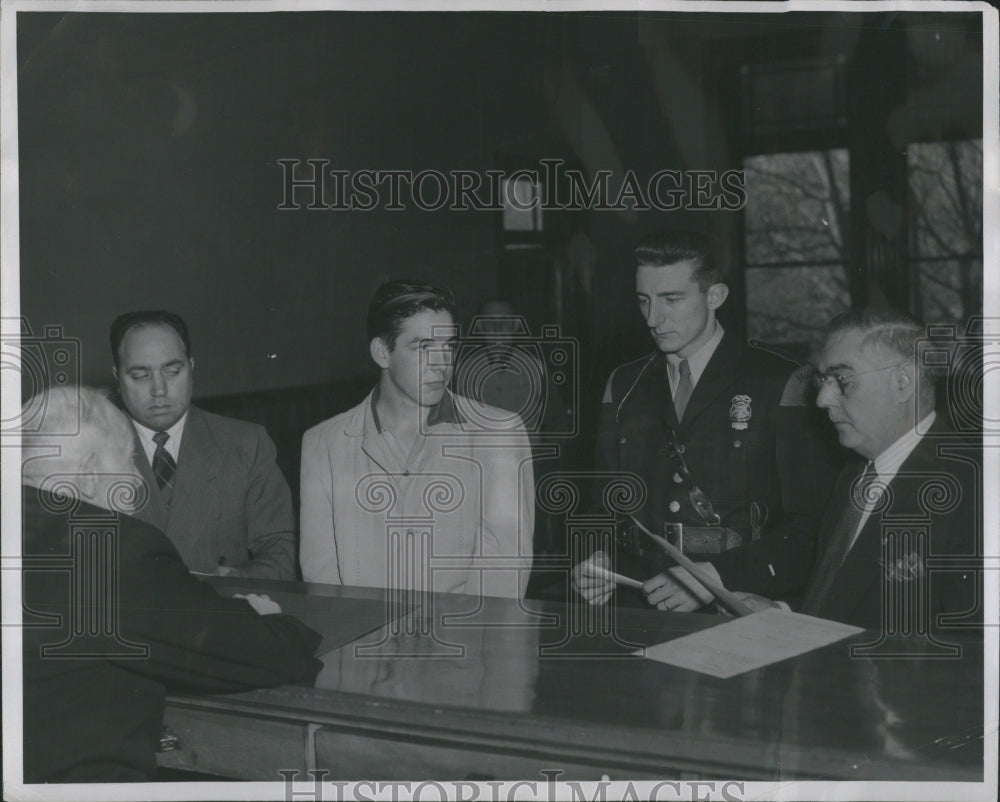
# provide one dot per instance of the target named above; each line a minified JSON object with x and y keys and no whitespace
{"x":449,"y":693}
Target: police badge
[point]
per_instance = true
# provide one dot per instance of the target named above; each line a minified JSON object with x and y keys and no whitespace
{"x":739,"y":412}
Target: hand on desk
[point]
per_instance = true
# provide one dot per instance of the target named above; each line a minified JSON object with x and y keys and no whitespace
{"x":678,"y":591}
{"x":263,"y":604}
{"x":591,"y":580}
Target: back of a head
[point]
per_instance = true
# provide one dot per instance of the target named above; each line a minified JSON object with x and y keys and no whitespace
{"x":80,"y":421}
{"x":396,"y":301}
{"x":121,"y":325}
{"x":666,"y":247}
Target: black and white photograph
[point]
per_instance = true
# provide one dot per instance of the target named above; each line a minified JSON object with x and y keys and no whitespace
{"x":500,"y":400}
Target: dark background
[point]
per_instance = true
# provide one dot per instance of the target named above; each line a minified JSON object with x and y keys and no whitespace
{"x":149,"y":176}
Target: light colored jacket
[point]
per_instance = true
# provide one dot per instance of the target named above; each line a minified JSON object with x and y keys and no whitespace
{"x":460,"y":519}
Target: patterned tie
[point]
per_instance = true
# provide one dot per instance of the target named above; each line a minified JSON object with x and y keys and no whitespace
{"x":684,"y":389}
{"x":163,"y":464}
{"x":840,"y":540}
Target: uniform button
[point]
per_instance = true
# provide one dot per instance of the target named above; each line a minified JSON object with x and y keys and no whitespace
{"x":677,"y":478}
{"x":621,"y":441}
{"x":737,"y":443}
{"x":675,"y":506}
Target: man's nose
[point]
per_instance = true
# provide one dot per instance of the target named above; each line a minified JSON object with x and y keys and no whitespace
{"x":159,"y":385}
{"x":827,"y":396}
{"x":654,"y":316}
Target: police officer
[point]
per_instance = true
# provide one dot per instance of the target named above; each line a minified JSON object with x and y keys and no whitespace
{"x":722,"y":435}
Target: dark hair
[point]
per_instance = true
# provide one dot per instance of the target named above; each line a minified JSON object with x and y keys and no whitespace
{"x":397,"y":301}
{"x":123,"y":323}
{"x":660,"y":248}
{"x":888,"y":328}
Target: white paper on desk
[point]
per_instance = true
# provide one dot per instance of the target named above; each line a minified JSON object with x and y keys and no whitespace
{"x":750,"y":642}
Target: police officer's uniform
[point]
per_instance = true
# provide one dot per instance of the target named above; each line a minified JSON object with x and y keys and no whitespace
{"x":752,"y":443}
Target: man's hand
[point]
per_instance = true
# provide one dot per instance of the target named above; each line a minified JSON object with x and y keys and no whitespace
{"x":757,"y":603}
{"x":594,"y":585}
{"x":263,"y":604}
{"x":677,"y":590}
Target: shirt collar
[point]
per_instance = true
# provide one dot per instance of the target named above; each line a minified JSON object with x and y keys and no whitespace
{"x":444,"y":411}
{"x":888,"y":462}
{"x":172,"y":445}
{"x":698,"y":361}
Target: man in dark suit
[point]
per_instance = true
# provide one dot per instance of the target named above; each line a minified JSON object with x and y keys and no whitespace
{"x":215,"y":488}
{"x":900,"y":539}
{"x":112,"y":618}
{"x":722,"y":436}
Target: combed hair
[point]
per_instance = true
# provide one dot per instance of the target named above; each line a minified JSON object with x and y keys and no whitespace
{"x":397,"y":301}
{"x":122,"y":324}
{"x":75,"y":418}
{"x":660,"y":248}
{"x":890,"y":329}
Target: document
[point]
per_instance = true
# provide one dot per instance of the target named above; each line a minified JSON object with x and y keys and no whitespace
{"x":750,"y":642}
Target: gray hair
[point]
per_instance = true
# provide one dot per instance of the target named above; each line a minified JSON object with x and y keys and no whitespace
{"x":894,"y":331}
{"x":79,"y":420}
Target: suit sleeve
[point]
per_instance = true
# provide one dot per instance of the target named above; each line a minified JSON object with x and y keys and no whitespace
{"x":317,"y":538}
{"x":508,"y":516}
{"x":270,"y":517}
{"x":198,"y":640}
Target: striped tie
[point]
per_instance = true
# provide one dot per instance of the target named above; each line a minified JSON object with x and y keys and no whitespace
{"x":163,"y":464}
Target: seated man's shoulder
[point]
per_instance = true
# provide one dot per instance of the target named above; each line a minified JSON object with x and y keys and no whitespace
{"x":349,"y":421}
{"x":477,"y":416}
{"x":230,"y":428}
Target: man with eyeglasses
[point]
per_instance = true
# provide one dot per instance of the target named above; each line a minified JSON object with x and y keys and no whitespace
{"x":908,"y":505}
{"x":729,"y":450}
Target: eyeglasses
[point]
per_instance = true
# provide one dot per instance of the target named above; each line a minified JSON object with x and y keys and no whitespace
{"x":844,"y":381}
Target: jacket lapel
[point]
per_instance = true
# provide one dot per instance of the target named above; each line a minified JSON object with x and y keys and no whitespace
{"x":720,"y":372}
{"x":197,"y":468}
{"x":861,"y":573}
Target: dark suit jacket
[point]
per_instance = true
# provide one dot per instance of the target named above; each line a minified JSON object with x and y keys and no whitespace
{"x":229,"y":499}
{"x":784,"y":460}
{"x":939,"y":494}
{"x":98,"y":717}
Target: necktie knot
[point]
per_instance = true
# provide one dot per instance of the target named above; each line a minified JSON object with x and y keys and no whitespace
{"x":684,"y":369}
{"x":160,"y":438}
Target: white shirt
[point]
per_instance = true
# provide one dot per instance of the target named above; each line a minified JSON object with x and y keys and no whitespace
{"x":698,"y":361}
{"x":888,"y":462}
{"x":173,"y":445}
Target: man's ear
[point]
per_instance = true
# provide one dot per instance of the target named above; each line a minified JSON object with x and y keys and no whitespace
{"x":191,"y":363}
{"x":717,"y":295}
{"x":379,"y":350}
{"x":114,"y":371}
{"x":903,"y":382}
{"x":87,"y":474}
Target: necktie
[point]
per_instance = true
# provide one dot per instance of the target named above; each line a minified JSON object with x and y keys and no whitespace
{"x":840,"y":540}
{"x":163,"y":464}
{"x":684,"y":389}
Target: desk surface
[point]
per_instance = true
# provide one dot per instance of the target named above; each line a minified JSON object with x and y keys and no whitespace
{"x":507,"y":678}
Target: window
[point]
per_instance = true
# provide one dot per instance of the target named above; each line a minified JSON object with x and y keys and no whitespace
{"x":946,"y":228}
{"x":797,"y":223}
